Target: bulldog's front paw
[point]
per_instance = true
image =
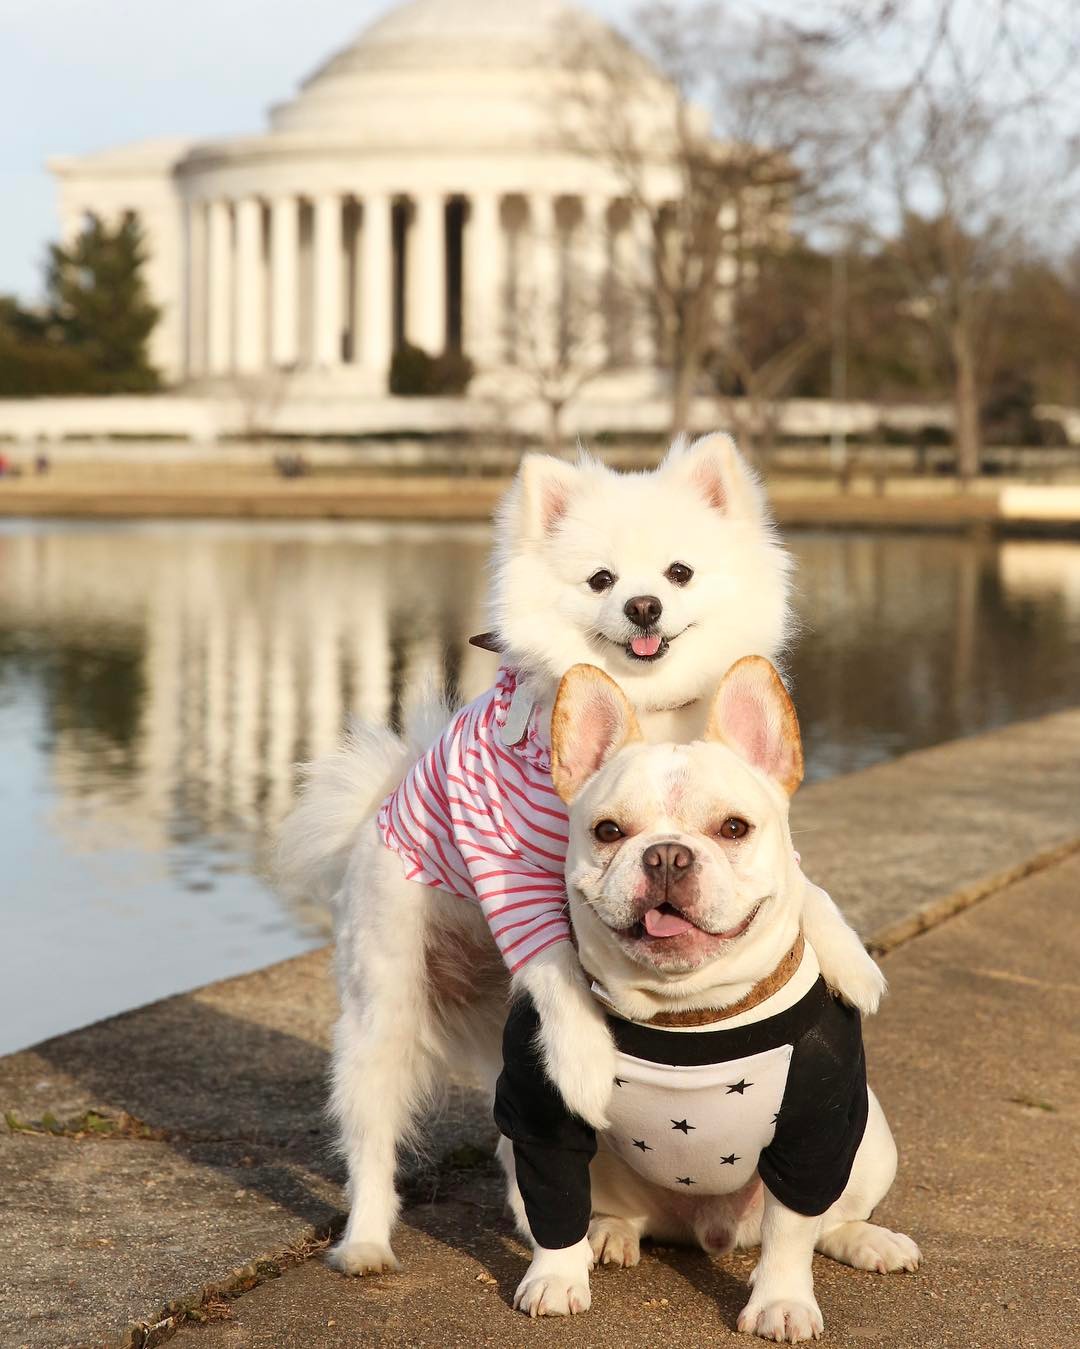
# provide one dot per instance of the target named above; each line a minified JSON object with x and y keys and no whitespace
{"x":557,"y":1281}
{"x":786,"y":1321}
{"x":552,"y":1295}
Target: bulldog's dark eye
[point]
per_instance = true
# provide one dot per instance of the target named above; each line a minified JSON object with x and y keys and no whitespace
{"x":607,"y":831}
{"x":601,"y":580}
{"x":679,"y":573}
{"x":733,"y":827}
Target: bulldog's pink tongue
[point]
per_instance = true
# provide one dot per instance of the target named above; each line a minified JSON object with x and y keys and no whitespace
{"x":659,"y":924}
{"x":645,"y":646}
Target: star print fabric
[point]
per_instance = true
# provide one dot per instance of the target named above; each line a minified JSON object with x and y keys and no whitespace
{"x":691,"y":1118}
{"x":694,"y":1112}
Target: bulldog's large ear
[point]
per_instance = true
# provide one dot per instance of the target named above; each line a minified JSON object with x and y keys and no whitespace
{"x":542,"y":493}
{"x":716,"y":469}
{"x":753,"y":715}
{"x":592,"y":719}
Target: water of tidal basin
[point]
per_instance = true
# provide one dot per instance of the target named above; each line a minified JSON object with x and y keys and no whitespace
{"x":158,"y":682}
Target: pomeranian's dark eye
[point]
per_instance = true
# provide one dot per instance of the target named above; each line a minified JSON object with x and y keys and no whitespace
{"x":601,"y":580}
{"x":607,"y":831}
{"x":733,"y":827}
{"x":679,"y":573}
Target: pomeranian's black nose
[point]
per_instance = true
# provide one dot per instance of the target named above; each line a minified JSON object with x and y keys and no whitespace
{"x":674,"y":859}
{"x":644,"y":610}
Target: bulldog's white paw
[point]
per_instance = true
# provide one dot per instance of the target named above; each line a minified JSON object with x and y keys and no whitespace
{"x":362,"y":1257}
{"x":614,"y":1242}
{"x":579,"y":1055}
{"x":787,"y":1321}
{"x":867,"y":1246}
{"x":552,"y":1295}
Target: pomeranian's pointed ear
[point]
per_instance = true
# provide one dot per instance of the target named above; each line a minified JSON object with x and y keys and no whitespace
{"x":592,"y":720}
{"x":544,"y":485}
{"x":716,"y":469}
{"x":753,"y":715}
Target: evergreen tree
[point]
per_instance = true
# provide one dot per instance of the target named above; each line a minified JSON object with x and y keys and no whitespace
{"x":100,"y":305}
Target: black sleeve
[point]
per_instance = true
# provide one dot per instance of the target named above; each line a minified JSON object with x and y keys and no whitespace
{"x":552,"y":1147}
{"x":823,"y":1115}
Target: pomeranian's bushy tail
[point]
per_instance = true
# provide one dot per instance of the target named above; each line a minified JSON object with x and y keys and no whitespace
{"x":343,"y":789}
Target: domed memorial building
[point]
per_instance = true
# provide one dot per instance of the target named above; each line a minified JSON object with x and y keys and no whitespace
{"x":422,"y":187}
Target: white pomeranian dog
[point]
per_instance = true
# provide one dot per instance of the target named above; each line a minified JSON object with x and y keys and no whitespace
{"x":443,"y":850}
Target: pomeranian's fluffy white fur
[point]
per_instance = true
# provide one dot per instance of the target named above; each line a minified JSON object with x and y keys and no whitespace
{"x":422,"y":985}
{"x":703,"y":507}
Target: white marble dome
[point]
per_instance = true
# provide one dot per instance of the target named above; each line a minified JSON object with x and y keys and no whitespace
{"x":455,"y":73}
{"x":419,"y":187}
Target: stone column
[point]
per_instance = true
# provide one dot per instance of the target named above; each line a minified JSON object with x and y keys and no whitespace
{"x":195,"y":288}
{"x":425,"y":282}
{"x":642,"y":283}
{"x":250,"y":290}
{"x":220,"y":288}
{"x":484,"y":266}
{"x":327,"y":290}
{"x":591,"y":307}
{"x":285,"y":281}
{"x":376,"y":288}
{"x":540,"y":298}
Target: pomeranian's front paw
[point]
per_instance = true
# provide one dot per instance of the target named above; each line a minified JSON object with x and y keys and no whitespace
{"x":861,"y":984}
{"x":580,"y":1059}
{"x":552,"y":1295}
{"x":786,"y":1321}
{"x":847,"y":965}
{"x":362,"y":1257}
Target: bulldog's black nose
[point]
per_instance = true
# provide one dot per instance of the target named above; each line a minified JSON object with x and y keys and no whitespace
{"x":667,"y":861}
{"x":644,"y":610}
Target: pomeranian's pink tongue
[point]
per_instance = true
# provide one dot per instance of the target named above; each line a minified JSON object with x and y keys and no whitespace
{"x":659,"y":924}
{"x":645,"y":646}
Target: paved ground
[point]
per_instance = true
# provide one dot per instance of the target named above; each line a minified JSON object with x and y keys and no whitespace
{"x":206,"y":1170}
{"x":974,"y":1059}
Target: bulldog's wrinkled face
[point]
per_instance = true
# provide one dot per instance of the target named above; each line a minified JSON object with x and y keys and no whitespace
{"x":677,"y":849}
{"x":679,"y":855}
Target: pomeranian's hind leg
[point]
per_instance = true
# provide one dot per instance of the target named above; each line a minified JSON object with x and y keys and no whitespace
{"x":386,"y":1052}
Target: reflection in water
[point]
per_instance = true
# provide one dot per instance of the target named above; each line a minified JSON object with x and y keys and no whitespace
{"x":158,"y":682}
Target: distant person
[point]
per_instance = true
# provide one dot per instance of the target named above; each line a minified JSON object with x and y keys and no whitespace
{"x":41,"y":464}
{"x":5,"y":465}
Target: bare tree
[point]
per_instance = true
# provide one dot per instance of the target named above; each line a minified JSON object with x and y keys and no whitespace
{"x":716,"y":131}
{"x":970,"y":158}
{"x":556,"y":344}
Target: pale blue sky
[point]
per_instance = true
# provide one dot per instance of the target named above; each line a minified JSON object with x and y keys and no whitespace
{"x":80,"y":75}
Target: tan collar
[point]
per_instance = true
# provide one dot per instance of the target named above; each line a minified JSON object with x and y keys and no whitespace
{"x":706,"y":1016}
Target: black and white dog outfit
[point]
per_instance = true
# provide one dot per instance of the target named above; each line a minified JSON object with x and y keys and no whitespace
{"x":779,"y":1090}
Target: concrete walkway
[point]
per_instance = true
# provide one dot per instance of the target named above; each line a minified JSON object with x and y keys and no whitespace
{"x":218,"y":492}
{"x":167,"y":1173}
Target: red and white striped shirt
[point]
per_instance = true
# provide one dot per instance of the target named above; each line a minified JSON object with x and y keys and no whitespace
{"x":480,"y":819}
